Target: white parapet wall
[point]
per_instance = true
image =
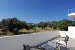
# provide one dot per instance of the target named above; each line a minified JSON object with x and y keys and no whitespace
{"x":16,"y":42}
{"x":64,"y":33}
{"x":71,"y":30}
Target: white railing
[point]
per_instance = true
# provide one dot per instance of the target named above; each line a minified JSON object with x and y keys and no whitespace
{"x":71,"y":10}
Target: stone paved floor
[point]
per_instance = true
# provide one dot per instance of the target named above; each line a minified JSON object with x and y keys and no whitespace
{"x":70,"y":43}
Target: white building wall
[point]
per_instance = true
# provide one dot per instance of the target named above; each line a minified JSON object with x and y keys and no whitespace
{"x":16,"y":42}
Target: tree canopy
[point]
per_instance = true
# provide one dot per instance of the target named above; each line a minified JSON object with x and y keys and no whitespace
{"x":14,"y":24}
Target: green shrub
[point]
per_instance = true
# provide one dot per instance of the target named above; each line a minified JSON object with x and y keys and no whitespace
{"x":15,"y":31}
{"x":34,"y":29}
{"x":4,"y":29}
{"x":54,"y":27}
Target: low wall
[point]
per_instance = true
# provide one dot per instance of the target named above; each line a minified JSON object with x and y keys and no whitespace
{"x":16,"y":42}
{"x":70,"y":33}
{"x":64,"y":33}
{"x":71,"y":30}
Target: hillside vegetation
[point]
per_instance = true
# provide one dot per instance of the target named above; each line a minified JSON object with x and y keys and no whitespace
{"x":13,"y":26}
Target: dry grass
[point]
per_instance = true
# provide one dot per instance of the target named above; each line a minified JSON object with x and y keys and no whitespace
{"x":44,"y":30}
{"x":38,"y":29}
{"x":1,"y":33}
{"x":24,"y":31}
{"x":9,"y":33}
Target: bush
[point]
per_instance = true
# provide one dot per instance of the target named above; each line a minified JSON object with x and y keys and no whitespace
{"x":4,"y":29}
{"x":15,"y":31}
{"x":34,"y":29}
{"x":54,"y":27}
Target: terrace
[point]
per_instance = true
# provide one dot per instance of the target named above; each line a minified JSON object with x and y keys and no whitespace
{"x":16,"y":42}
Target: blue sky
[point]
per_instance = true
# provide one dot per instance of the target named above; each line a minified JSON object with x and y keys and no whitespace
{"x":36,"y":10}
